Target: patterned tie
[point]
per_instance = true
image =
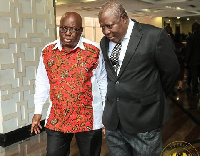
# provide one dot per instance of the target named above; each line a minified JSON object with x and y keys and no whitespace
{"x":114,"y":57}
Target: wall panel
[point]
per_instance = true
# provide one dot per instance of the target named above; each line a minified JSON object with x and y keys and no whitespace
{"x":26,"y":26}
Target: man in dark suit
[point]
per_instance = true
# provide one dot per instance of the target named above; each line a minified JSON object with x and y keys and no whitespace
{"x":192,"y":56}
{"x":138,"y":82}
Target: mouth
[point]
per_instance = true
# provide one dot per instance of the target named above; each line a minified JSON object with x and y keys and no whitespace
{"x":110,"y":37}
{"x":67,"y":40}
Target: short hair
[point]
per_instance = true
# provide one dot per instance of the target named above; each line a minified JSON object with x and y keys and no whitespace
{"x":114,"y":7}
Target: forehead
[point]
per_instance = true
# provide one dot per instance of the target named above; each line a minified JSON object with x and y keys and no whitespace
{"x":69,"y":21}
{"x":108,"y":18}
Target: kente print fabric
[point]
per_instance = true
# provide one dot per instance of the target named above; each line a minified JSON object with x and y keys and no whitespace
{"x":70,"y":87}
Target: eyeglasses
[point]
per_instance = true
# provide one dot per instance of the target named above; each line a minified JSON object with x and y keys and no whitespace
{"x":71,"y":29}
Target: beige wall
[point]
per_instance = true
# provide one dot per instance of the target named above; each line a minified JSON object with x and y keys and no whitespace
{"x":25,"y":27}
{"x":92,"y":30}
{"x":156,"y":21}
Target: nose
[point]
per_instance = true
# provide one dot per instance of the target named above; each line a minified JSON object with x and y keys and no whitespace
{"x":106,"y":31}
{"x":68,"y":32}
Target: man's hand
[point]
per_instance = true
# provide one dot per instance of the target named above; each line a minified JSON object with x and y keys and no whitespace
{"x":35,"y":127}
{"x":104,"y":130}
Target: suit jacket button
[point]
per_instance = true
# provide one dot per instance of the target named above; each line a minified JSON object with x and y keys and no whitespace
{"x":117,"y":99}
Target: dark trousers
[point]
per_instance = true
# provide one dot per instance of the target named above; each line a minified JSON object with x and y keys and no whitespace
{"x":89,"y":143}
{"x":189,"y":76}
{"x":195,"y":70}
{"x":121,"y":143}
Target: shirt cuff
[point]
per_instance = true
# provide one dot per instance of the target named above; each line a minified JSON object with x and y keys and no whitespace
{"x":38,"y":109}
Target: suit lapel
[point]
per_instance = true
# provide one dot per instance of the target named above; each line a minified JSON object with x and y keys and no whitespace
{"x":132,"y":46}
{"x":109,"y":67}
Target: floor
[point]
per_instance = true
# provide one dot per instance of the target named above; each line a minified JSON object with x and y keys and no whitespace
{"x":184,"y":125}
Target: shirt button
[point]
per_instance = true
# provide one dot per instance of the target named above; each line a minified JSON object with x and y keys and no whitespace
{"x":117,"y":82}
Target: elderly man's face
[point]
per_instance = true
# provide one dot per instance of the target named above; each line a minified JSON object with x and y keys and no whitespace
{"x":114,"y":28}
{"x":70,"y":31}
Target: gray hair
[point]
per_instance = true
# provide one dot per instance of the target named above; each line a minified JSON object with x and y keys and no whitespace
{"x":114,"y":7}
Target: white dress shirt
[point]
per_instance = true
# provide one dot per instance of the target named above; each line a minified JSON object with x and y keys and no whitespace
{"x":98,"y":80}
{"x":124,"y":43}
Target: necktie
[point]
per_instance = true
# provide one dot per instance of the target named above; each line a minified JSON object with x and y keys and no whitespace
{"x":114,"y":57}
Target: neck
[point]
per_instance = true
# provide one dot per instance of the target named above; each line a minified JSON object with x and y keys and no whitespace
{"x":68,"y":49}
{"x":126,"y":28}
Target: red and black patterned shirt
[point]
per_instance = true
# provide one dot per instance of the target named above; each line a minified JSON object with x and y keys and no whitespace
{"x":77,"y":83}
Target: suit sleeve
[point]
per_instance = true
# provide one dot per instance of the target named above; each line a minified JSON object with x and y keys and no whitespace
{"x":167,"y":62}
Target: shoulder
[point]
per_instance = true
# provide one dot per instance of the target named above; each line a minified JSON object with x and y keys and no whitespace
{"x":147,"y":28}
{"x":103,"y":40}
{"x":153,"y":32}
{"x":47,"y":50}
{"x":91,"y":46}
{"x":51,"y":45}
{"x":90,"y":43}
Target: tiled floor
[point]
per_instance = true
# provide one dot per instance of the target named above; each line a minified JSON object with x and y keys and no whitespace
{"x":184,"y":125}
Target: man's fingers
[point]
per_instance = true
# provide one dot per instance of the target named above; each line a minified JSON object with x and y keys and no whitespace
{"x":37,"y":130}
{"x":40,"y":126}
{"x":103,"y":130}
{"x":35,"y":127}
{"x":32,"y":129}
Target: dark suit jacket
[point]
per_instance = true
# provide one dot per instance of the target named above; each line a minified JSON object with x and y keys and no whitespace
{"x":192,"y":55}
{"x":137,"y":96}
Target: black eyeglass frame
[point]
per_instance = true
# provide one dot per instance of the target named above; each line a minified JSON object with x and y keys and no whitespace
{"x":72,"y":30}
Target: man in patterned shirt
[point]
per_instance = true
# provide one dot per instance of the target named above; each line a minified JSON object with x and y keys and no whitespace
{"x":72,"y":72}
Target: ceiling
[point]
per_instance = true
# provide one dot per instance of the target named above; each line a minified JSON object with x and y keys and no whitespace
{"x":134,"y":8}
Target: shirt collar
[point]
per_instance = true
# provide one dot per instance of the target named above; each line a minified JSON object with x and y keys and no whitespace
{"x":129,"y":30}
{"x":79,"y":44}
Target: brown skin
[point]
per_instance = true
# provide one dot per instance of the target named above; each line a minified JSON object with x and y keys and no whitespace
{"x":69,"y":41}
{"x":35,"y":127}
{"x":113,"y":27}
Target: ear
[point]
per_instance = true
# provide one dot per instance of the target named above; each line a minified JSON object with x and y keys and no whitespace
{"x":81,"y":30}
{"x":124,"y":18}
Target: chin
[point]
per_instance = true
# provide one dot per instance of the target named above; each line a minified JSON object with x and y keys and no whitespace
{"x":115,"y":40}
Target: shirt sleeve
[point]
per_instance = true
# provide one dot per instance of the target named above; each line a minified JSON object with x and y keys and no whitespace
{"x":41,"y":87}
{"x":102,"y":78}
